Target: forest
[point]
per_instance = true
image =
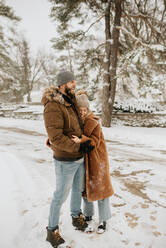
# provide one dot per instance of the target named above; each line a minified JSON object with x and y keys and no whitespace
{"x":116,"y":48}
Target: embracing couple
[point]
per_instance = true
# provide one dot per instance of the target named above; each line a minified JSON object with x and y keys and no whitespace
{"x":80,"y":157}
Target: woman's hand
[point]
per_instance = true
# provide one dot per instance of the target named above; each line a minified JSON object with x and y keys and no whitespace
{"x":76,"y":139}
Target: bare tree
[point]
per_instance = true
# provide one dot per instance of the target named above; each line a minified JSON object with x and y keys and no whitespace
{"x":31,"y":67}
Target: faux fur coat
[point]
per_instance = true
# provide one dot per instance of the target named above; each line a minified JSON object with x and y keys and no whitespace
{"x":98,"y":182}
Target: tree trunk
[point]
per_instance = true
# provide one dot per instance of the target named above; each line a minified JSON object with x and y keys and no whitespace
{"x":29,"y":97}
{"x":109,"y":87}
{"x":106,"y":117}
{"x":29,"y":89}
{"x":114,"y":52}
{"x":70,"y":60}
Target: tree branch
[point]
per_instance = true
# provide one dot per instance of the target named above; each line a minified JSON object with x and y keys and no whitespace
{"x":132,"y":36}
{"x":143,"y":17}
{"x":94,"y":23}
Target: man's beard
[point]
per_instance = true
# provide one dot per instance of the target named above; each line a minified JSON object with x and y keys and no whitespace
{"x":69,"y":92}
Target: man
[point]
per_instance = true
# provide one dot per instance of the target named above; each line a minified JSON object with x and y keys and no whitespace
{"x":61,"y":118}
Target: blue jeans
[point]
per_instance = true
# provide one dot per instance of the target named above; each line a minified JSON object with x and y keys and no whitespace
{"x":69,"y":175}
{"x":103,"y":208}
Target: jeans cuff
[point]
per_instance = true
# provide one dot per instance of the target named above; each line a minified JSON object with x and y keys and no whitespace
{"x":76,"y":215}
{"x":53,"y":228}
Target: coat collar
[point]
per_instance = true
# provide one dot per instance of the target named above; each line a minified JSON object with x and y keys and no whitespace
{"x":52,"y":94}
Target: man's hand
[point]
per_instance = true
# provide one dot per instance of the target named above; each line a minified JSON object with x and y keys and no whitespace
{"x":76,"y":139}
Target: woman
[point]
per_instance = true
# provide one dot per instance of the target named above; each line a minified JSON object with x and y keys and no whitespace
{"x":98,"y":183}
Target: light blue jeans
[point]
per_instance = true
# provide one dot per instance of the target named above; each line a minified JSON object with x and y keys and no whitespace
{"x":103,"y":208}
{"x":69,"y":175}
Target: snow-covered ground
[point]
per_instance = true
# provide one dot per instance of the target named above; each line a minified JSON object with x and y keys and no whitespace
{"x":27,"y":181}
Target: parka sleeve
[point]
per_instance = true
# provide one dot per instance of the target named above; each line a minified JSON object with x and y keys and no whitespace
{"x":54,"y":124}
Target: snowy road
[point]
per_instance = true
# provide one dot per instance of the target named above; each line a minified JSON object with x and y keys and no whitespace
{"x":27,"y":182}
{"x":8,"y":207}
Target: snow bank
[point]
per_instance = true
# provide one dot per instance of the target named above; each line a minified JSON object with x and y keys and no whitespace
{"x":155,"y":137}
{"x":13,"y":187}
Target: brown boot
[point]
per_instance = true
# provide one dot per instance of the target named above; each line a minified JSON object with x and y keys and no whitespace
{"x":54,"y":238}
{"x":79,"y":223}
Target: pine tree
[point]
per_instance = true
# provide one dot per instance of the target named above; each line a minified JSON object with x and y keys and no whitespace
{"x":142,"y":49}
{"x":9,"y":69}
{"x":128,"y":26}
{"x":9,"y":72}
{"x":64,"y":12}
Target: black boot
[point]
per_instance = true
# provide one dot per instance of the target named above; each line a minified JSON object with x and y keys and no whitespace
{"x":88,"y":218}
{"x":54,"y":238}
{"x":101,"y":228}
{"x":79,"y":223}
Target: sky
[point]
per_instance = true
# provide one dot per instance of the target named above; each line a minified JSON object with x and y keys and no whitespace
{"x":35,"y":24}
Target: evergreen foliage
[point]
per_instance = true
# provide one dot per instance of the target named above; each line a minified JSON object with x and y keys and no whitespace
{"x":6,"y":11}
{"x":19,"y":70}
{"x":141,"y":62}
{"x":9,"y":69}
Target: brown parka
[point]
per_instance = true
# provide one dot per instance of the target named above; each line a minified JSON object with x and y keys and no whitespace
{"x":61,"y":122}
{"x":98,"y":182}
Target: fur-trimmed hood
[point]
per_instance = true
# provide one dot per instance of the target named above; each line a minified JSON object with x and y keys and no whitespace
{"x":52,"y":94}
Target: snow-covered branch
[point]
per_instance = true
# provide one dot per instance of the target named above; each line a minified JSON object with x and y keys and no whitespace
{"x":137,"y":40}
{"x":93,"y":24}
{"x":143,"y":17}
